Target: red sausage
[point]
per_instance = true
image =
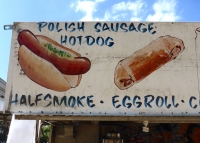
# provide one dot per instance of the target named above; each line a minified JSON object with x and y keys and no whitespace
{"x":76,"y":66}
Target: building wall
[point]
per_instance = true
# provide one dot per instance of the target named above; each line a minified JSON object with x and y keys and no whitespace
{"x":2,"y":88}
{"x":3,"y":130}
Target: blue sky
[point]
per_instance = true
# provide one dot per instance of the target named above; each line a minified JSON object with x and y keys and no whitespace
{"x":89,"y":10}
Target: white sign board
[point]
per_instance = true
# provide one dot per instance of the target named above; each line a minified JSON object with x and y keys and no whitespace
{"x":25,"y":129}
{"x":104,"y":69}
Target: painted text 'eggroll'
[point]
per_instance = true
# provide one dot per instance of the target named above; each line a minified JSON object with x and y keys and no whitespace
{"x":146,"y":60}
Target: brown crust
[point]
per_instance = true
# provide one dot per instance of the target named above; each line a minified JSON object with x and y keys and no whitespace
{"x":145,"y":61}
{"x":172,"y":43}
{"x":122,"y":77}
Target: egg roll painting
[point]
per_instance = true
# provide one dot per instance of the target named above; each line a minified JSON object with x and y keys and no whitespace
{"x":143,"y":62}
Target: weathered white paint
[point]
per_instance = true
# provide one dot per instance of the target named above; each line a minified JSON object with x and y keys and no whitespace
{"x":178,"y":78}
{"x":22,"y":131}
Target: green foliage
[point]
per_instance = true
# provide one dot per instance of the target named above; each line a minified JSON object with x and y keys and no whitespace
{"x":45,"y":132}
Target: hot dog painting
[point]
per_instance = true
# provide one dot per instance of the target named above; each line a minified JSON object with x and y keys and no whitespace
{"x":143,"y":62}
{"x":50,"y":64}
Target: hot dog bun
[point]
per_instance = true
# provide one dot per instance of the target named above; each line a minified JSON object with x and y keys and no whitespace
{"x":61,"y":57}
{"x":73,"y":80}
{"x":50,"y":64}
{"x":41,"y":71}
{"x":140,"y":64}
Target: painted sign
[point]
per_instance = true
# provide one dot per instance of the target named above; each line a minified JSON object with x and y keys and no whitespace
{"x":104,"y":68}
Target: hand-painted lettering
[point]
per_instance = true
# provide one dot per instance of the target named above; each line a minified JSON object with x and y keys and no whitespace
{"x":79,"y":101}
{"x":23,"y":100}
{"x":147,"y":101}
{"x":51,"y":26}
{"x":116,"y":27}
{"x":16,"y":99}
{"x":190,"y":102}
{"x":173,"y":102}
{"x":41,"y":25}
{"x":143,"y":29}
{"x":72,"y":101}
{"x":127,"y":105}
{"x":115,"y":101}
{"x":48,"y":96}
{"x":150,"y":28}
{"x":139,"y":104}
{"x":160,"y":100}
{"x":72,"y":26}
{"x":63,"y":100}
{"x":37,"y":99}
{"x":89,"y":101}
{"x":55,"y":100}
{"x":29,"y":101}
{"x":167,"y":105}
{"x":123,"y":26}
{"x":98,"y":27}
{"x":105,"y":27}
{"x":57,"y":27}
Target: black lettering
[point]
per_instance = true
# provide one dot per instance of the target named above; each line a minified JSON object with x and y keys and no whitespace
{"x":72,"y":40}
{"x":81,"y":27}
{"x":90,"y":101}
{"x":151,"y":28}
{"x":139,"y":103}
{"x":73,"y":28}
{"x":51,"y":26}
{"x":95,"y":26}
{"x":116,"y":27}
{"x":190,"y":102}
{"x":159,"y":98}
{"x":132,"y":27}
{"x":63,"y":40}
{"x":41,"y":25}
{"x":105,"y":27}
{"x":169,"y":105}
{"x":48,"y":96}
{"x":57,"y":27}
{"x":66,"y":26}
{"x":122,"y":27}
{"x":55,"y":100}
{"x":102,"y":41}
{"x":63,"y":100}
{"x":115,"y":101}
{"x":29,"y":101}
{"x":37,"y":98}
{"x":79,"y":100}
{"x":23,"y":100}
{"x":72,"y":101}
{"x":79,"y":39}
{"x":88,"y":40}
{"x":16,"y":99}
{"x":146,"y":102}
{"x":109,"y":44}
{"x":173,"y":102}
{"x":124,"y":102}
{"x":143,"y":29}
